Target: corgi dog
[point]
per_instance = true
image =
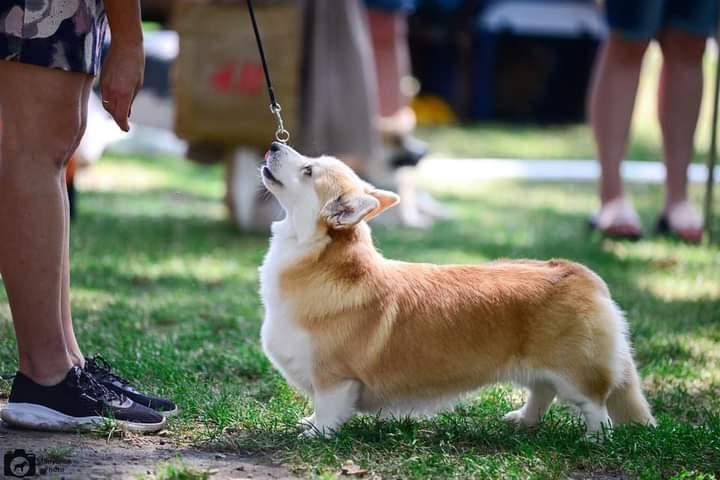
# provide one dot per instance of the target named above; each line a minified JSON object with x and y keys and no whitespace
{"x":357,"y":332}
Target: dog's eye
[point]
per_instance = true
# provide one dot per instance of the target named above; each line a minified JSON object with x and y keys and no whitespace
{"x":307,"y":171}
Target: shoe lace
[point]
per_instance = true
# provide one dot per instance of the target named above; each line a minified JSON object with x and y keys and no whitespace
{"x":104,"y":369}
{"x":87,"y":384}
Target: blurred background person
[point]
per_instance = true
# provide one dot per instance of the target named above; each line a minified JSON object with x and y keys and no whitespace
{"x":388,"y":21}
{"x":681,"y":28}
{"x":339,"y":89}
{"x":396,"y":121}
{"x":352,"y":104}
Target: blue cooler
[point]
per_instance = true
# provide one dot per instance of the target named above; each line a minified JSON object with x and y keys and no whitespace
{"x":533,"y":60}
{"x":437,"y":31}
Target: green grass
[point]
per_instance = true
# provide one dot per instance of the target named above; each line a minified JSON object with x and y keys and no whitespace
{"x":176,"y":470}
{"x":151,"y":27}
{"x":574,"y":142}
{"x":166,"y":289}
{"x":55,"y":455}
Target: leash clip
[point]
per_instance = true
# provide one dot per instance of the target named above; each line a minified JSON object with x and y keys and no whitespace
{"x":281,"y":135}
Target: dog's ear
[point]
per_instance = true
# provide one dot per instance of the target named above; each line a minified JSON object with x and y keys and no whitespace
{"x":348,"y":210}
{"x":385,"y":199}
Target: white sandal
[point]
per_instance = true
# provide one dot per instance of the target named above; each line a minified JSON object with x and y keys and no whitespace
{"x":683,"y":221}
{"x":617,"y":219}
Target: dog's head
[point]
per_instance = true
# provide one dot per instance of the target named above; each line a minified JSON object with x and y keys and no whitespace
{"x":321,"y":193}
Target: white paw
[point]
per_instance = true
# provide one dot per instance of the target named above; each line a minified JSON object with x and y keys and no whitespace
{"x":519,"y":418}
{"x":307,"y":422}
{"x":601,"y":433}
{"x":312,"y":431}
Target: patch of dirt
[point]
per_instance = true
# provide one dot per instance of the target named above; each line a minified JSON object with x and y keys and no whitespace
{"x":85,"y":456}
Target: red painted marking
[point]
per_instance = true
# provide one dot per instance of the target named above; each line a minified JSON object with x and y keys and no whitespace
{"x":251,"y":79}
{"x":235,"y":79}
{"x":221,"y":80}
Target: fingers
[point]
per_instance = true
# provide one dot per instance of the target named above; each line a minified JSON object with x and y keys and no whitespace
{"x":121,"y":112}
{"x":108,"y":106}
{"x":118,"y":104}
{"x":120,"y":80}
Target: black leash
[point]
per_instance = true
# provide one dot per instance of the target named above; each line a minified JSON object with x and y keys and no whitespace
{"x":281,"y":135}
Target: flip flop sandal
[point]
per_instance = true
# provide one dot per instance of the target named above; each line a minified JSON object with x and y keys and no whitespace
{"x":664,"y":228}
{"x":628,"y":227}
{"x":681,"y":221}
{"x":614,"y":232}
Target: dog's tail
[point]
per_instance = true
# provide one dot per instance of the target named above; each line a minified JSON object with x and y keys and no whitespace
{"x":626,"y":402}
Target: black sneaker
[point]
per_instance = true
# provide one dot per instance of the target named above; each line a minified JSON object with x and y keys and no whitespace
{"x":101,"y":369}
{"x":78,"y":402}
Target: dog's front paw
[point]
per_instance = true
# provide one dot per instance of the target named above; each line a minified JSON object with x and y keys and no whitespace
{"x":518,"y":417}
{"x":307,"y":422}
{"x":311,"y":431}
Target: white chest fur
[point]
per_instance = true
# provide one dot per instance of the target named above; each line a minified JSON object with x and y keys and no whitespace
{"x":288,"y":346}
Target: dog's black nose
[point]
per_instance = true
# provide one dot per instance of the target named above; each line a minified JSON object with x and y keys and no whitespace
{"x":274,"y":147}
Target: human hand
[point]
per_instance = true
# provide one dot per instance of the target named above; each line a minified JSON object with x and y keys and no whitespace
{"x":121,"y":78}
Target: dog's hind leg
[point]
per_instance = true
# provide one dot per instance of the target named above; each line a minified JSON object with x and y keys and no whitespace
{"x":333,"y":406}
{"x":541,"y":396}
{"x":589,"y":394}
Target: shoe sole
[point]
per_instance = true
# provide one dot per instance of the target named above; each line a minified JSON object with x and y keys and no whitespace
{"x":168,"y":413}
{"x":164,"y":413}
{"x":36,"y":417}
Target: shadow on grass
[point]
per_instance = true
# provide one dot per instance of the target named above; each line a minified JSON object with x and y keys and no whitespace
{"x":119,"y":230}
{"x":474,"y":432}
{"x":525,"y":231}
{"x":167,"y":287}
{"x":686,"y":437}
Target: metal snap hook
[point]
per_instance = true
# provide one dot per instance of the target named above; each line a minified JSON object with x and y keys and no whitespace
{"x":281,"y":134}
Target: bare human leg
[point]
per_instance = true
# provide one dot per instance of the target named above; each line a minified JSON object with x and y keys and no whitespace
{"x":387,"y":30}
{"x":71,"y":343}
{"x":33,"y":209}
{"x":611,"y":106}
{"x":679,"y":98}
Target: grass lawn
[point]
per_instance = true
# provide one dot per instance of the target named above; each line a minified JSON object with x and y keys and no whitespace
{"x":575,"y":142}
{"x":166,"y":289}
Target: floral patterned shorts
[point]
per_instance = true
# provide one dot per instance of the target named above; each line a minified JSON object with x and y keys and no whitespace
{"x":63,"y":34}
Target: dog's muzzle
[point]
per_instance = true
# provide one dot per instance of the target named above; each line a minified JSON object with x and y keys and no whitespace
{"x":267,"y":173}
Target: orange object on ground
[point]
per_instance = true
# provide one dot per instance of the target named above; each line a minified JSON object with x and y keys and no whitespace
{"x":71,"y":169}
